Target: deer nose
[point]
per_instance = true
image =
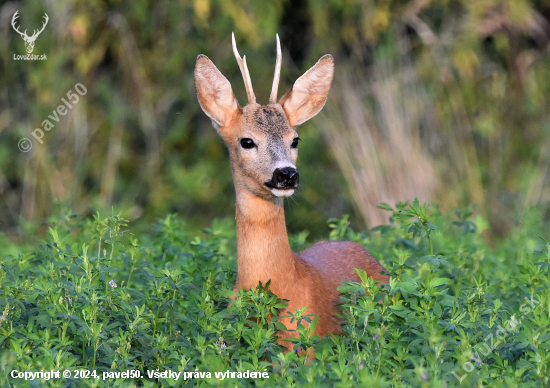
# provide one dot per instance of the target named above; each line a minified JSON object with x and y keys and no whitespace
{"x":286,"y":177}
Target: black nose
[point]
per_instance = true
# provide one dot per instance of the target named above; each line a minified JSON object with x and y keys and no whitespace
{"x":286,"y":177}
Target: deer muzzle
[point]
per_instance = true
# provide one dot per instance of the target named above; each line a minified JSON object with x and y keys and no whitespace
{"x":284,"y":178}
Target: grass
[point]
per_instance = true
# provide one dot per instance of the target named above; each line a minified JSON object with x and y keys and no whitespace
{"x":97,"y":301}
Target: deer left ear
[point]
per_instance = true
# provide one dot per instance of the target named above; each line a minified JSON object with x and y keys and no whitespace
{"x":309,"y":93}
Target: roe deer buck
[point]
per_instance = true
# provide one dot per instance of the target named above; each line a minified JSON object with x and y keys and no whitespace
{"x":263,"y":148}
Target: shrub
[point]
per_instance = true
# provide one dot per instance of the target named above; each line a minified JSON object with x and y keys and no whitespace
{"x":93,"y":297}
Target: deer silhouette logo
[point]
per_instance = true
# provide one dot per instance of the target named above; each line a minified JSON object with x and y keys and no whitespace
{"x":29,"y":40}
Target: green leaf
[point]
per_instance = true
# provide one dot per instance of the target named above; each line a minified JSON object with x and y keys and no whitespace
{"x":416,"y":205}
{"x":439,"y":281}
{"x":227,"y":293}
{"x":385,"y":206}
{"x":362,"y":274}
{"x":397,"y":308}
{"x":437,"y":309}
{"x":313,"y":324}
{"x":281,"y":305}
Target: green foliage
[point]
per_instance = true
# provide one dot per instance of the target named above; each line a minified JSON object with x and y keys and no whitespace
{"x":421,"y":225}
{"x":94,"y":297}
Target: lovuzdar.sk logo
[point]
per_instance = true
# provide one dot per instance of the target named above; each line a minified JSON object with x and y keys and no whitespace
{"x":29,"y":40}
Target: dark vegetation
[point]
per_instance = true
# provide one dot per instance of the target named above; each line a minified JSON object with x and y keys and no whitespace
{"x":441,"y":100}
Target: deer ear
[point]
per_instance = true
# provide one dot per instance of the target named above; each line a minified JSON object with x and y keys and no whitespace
{"x":214,"y":92}
{"x":309,"y":93}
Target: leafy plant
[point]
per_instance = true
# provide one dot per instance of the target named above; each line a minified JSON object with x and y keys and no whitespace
{"x":94,"y":297}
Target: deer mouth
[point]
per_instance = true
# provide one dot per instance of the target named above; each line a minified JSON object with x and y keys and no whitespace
{"x":288,"y":186}
{"x":285,"y":192}
{"x":281,"y":190}
{"x":285,"y":186}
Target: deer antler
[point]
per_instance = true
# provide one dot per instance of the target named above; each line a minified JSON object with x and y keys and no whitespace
{"x":244,"y":72}
{"x":15,"y":16}
{"x":277,"y":76}
{"x":43,"y":26}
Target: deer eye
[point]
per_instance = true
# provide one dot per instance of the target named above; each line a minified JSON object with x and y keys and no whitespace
{"x":295,"y":142}
{"x":247,"y":143}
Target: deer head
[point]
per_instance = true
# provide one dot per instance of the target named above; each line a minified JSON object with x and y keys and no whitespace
{"x":29,"y":40}
{"x":262,"y":139}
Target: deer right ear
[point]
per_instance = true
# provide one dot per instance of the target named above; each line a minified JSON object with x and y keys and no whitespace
{"x":214,"y":92}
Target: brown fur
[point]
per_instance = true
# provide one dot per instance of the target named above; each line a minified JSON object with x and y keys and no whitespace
{"x":311,"y":277}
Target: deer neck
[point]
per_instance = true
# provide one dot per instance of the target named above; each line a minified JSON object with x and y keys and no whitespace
{"x":263,"y":251}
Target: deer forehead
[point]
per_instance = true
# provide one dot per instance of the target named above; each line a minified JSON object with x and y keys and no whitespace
{"x":268,"y":120}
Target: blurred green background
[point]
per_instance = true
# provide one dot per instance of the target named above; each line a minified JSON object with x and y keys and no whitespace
{"x":443,"y":100}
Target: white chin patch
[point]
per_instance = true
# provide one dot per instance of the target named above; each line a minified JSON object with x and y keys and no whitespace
{"x":282,"y":193}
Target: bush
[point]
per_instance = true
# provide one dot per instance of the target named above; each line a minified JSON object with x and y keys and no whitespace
{"x":92,"y":297}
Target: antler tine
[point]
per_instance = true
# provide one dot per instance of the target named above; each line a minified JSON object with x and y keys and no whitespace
{"x":277,"y":76}
{"x":43,"y":25}
{"x":244,"y":72}
{"x":13,"y":19}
